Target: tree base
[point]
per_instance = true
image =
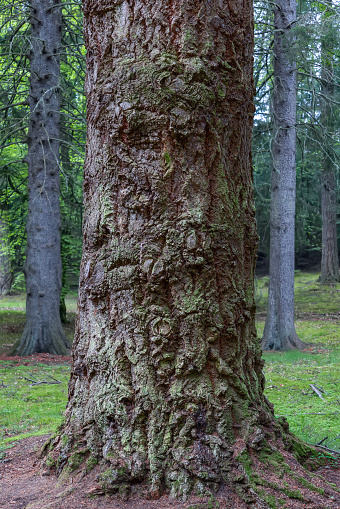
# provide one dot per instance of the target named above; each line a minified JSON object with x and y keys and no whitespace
{"x":42,"y":340}
{"x":329,"y":279}
{"x":283,"y":343}
{"x":273,"y":469}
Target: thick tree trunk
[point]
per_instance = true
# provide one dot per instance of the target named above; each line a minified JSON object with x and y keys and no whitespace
{"x":6,"y":274}
{"x":167,"y":385}
{"x":329,"y":256}
{"x":279,"y":332}
{"x":43,"y":331}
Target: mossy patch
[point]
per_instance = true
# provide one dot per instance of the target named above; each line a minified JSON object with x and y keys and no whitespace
{"x":76,"y":459}
{"x":91,"y":463}
{"x":111,"y":479}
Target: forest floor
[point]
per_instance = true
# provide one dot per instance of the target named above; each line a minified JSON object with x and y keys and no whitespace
{"x":33,"y":393}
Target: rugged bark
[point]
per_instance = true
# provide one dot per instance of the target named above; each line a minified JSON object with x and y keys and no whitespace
{"x":43,"y":331}
{"x":329,"y":254}
{"x":167,"y":386}
{"x":6,"y":274}
{"x":279,"y":332}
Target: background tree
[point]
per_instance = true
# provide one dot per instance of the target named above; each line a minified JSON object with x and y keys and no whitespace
{"x":329,"y":258}
{"x":279,"y":332}
{"x":43,"y":270}
{"x":14,"y":117}
{"x":6,"y":274}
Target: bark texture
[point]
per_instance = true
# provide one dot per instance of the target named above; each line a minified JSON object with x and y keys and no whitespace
{"x":6,"y":274}
{"x":329,"y":253}
{"x":167,"y":385}
{"x":279,"y":332}
{"x":43,"y":331}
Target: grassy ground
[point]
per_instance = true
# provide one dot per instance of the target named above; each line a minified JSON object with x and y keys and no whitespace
{"x":27,"y":408}
{"x":289,"y":374}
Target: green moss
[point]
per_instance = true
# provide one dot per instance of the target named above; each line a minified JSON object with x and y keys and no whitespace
{"x":168,"y":164}
{"x":166,"y":83}
{"x":91,"y":463}
{"x":76,"y":459}
{"x":111,"y":479}
{"x":292,"y":493}
{"x":309,"y":485}
{"x":64,"y":440}
{"x":167,"y":159}
{"x":284,"y":489}
{"x":269,"y":457}
{"x":50,"y":462}
{"x":270,"y":499}
{"x":245,"y":461}
{"x":221,"y":91}
{"x":301,"y":450}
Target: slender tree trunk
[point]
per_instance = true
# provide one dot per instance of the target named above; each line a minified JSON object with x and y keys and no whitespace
{"x":279,"y":331}
{"x":329,"y":257}
{"x":6,"y":274}
{"x":67,"y":169}
{"x":43,"y":331}
{"x":167,"y":385}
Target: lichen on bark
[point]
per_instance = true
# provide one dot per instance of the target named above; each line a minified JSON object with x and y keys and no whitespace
{"x":167,"y":387}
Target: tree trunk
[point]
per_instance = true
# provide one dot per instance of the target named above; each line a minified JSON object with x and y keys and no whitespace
{"x":167,"y":385}
{"x":279,"y":332}
{"x":329,"y":256}
{"x":6,"y":274}
{"x":43,"y":331}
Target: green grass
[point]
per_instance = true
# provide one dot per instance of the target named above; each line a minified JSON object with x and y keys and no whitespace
{"x":11,"y":326}
{"x":26,"y":408}
{"x":288,"y":374}
{"x":288,"y":379}
{"x":319,"y":331}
